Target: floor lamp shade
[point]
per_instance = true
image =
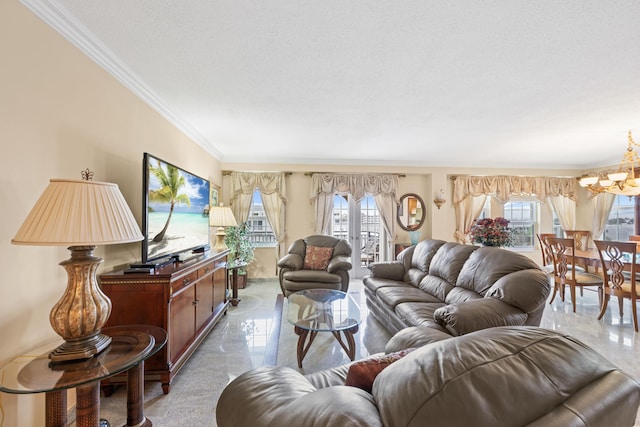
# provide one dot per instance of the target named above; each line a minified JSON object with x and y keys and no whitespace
{"x":221,"y":217}
{"x":79,"y":214}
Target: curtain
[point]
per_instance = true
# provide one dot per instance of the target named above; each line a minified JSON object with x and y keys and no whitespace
{"x":386,"y":204}
{"x":383,"y":187}
{"x":565,"y":210}
{"x":272,"y":187}
{"x":505,"y":186}
{"x":467,"y":211}
{"x":602,"y":204}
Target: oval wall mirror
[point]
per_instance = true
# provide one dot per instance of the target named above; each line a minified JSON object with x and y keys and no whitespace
{"x":411,"y":212}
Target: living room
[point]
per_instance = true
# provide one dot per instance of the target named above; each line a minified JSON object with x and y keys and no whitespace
{"x":63,"y":113}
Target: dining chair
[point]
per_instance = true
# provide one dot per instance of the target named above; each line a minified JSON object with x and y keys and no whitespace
{"x":616,"y":256}
{"x":581,"y":237}
{"x":563,"y":250}
{"x":582,"y":244}
{"x":547,"y":257}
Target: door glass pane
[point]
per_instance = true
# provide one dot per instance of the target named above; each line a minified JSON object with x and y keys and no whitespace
{"x":340,"y":217}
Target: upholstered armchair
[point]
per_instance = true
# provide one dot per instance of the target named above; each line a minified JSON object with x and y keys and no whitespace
{"x":316,"y":262}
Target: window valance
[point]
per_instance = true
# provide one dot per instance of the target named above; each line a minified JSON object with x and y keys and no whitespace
{"x":357,"y":184}
{"x":503,"y":187}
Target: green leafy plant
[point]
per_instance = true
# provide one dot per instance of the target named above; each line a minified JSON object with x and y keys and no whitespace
{"x":241,"y":249}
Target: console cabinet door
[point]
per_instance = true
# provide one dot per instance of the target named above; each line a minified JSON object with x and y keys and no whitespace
{"x":204,"y":301}
{"x":182,"y":324}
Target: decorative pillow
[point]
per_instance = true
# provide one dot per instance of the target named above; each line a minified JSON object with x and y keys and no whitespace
{"x":317,"y":257}
{"x":362,"y":374}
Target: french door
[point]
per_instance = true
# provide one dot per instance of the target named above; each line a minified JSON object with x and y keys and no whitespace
{"x":359,"y":224}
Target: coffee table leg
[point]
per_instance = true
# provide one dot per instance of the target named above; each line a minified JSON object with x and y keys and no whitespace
{"x":302,"y":337}
{"x":350,"y":346}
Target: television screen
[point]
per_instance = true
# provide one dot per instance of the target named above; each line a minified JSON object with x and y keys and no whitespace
{"x":175,"y":210}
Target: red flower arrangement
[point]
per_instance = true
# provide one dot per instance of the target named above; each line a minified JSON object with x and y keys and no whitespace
{"x":491,"y":232}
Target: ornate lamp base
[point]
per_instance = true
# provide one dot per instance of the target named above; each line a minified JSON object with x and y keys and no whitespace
{"x":79,"y":349}
{"x":82,"y":311}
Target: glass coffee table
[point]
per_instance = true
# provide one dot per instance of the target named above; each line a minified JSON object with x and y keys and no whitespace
{"x":323,"y":310}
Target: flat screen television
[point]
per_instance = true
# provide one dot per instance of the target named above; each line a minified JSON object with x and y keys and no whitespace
{"x":175,"y":210}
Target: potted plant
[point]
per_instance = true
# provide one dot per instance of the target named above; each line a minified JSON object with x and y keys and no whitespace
{"x":241,"y":250}
{"x":492,"y":232}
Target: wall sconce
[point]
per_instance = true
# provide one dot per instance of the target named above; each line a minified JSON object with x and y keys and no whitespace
{"x":439,"y":200}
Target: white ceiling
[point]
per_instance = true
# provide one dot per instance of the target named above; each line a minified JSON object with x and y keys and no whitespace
{"x":512,"y":83}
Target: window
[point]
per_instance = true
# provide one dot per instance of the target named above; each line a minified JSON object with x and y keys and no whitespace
{"x":522,"y":215}
{"x":557,"y":228}
{"x":260,"y":232}
{"x":621,"y":222}
{"x":486,"y":209}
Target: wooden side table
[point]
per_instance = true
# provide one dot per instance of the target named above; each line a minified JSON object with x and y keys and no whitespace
{"x":233,"y":269}
{"x":130,"y":346}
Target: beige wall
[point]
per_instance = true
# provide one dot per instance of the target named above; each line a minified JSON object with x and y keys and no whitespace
{"x":59,"y":114}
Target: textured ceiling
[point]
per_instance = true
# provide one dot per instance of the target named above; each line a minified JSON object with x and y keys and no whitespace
{"x":531,"y":84}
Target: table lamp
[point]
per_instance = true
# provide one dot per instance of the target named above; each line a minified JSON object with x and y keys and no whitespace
{"x":79,"y":214}
{"x":221,"y":217}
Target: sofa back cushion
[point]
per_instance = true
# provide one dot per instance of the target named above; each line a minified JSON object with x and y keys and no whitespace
{"x":417,"y":262}
{"x":483,"y":268}
{"x":444,"y":268}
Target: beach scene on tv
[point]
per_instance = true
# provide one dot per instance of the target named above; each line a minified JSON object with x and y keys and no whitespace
{"x":178,"y":210}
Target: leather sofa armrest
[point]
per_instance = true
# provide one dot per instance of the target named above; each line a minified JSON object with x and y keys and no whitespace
{"x":291,"y":261}
{"x":340,"y":262}
{"x":471,"y":316}
{"x":416,"y":336}
{"x":280,"y":396}
{"x":393,"y":270}
{"x":526,"y":290}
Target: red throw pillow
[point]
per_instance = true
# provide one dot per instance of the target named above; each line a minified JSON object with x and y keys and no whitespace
{"x":362,"y":374}
{"x":317,"y":258}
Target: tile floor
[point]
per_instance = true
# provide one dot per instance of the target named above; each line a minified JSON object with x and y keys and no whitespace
{"x":239,"y":341}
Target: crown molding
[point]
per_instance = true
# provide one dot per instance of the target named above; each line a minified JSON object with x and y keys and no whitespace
{"x":64,"y":23}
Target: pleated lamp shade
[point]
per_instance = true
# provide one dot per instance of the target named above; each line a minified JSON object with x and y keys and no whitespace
{"x":222,"y":216}
{"x":79,"y":213}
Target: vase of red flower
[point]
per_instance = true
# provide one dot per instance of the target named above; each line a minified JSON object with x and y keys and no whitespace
{"x":491,"y":232}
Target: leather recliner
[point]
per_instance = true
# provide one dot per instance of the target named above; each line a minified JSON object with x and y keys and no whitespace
{"x":295,"y":277}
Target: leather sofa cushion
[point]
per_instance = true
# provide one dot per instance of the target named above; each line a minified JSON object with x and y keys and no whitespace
{"x":417,"y":313}
{"x":423,"y":254}
{"x":487,"y":265}
{"x":392,"y":296}
{"x":311,"y":276}
{"x":373,"y":284}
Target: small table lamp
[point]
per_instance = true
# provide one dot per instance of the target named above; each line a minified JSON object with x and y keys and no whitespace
{"x":80,"y":215}
{"x":221,"y":217}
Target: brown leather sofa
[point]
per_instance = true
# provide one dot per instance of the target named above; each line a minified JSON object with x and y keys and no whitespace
{"x":504,"y":376}
{"x":295,"y":277}
{"x":456,"y":289}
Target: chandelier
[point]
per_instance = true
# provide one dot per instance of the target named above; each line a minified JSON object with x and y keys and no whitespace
{"x":624,"y":181}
